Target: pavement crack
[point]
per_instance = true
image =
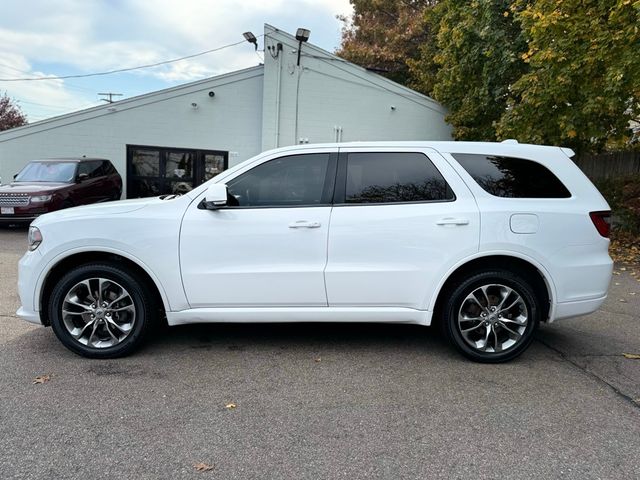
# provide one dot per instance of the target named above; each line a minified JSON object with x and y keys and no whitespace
{"x":634,"y":402}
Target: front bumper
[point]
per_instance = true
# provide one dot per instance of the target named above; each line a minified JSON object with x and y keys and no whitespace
{"x":29,"y":316}
{"x":9,"y":219}
{"x":29,"y":269}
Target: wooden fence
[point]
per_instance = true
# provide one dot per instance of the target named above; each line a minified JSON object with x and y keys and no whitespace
{"x":609,"y":165}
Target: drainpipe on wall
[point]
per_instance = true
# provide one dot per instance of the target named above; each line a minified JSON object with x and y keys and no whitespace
{"x":278,"y":82}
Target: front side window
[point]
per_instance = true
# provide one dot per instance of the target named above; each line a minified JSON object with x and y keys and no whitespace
{"x":92,"y":169}
{"x":394,"y":177}
{"x":296,"y":180}
{"x":512,"y":177}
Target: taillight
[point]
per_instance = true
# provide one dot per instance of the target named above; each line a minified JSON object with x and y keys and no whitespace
{"x":602,"y":222}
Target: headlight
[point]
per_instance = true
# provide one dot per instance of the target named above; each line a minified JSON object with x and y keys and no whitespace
{"x":34,"y":238}
{"x":40,"y":198}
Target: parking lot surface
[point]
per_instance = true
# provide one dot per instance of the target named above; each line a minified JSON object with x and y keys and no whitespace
{"x":321,"y":400}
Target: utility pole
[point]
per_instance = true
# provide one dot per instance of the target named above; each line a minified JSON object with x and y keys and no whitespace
{"x":110,"y":95}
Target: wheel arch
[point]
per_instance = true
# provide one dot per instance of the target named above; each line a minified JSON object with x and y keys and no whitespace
{"x":62,"y":264}
{"x":536,"y":273}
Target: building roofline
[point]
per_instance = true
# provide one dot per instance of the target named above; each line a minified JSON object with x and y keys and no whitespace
{"x":128,"y":102}
{"x":378,"y":78}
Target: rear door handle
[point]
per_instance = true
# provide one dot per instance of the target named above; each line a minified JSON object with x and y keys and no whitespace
{"x":453,"y":221}
{"x":304,"y":224}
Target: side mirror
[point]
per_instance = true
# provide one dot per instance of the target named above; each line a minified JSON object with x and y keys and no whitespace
{"x":215,"y":197}
{"x":82,"y":177}
{"x":15,"y":175}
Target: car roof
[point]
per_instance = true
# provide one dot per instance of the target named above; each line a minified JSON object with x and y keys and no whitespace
{"x":506,"y":147}
{"x":69,"y":159}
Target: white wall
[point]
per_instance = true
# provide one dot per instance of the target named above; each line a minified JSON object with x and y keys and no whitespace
{"x":332,"y":92}
{"x":231,"y":121}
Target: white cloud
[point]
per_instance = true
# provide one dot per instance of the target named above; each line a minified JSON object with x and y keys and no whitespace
{"x":41,"y":37}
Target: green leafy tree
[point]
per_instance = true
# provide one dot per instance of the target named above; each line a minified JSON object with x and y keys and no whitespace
{"x":384,"y":35}
{"x":472,"y":64}
{"x":583,"y":85}
{"x":10,"y":114}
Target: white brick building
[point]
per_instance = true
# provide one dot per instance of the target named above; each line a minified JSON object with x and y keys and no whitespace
{"x":217,"y":122}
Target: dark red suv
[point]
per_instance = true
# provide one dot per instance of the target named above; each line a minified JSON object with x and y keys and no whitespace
{"x":47,"y":185}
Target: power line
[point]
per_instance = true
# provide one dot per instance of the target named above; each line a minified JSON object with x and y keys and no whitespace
{"x":120,"y":70}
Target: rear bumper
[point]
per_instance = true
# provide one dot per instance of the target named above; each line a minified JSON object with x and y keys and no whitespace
{"x":576,"y":309}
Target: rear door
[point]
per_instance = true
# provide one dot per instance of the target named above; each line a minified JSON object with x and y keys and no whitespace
{"x":401,"y":218}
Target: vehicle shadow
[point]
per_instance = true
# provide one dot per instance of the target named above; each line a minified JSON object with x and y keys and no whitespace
{"x":240,"y":336}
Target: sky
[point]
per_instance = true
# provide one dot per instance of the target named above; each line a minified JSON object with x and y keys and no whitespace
{"x":69,"y":37}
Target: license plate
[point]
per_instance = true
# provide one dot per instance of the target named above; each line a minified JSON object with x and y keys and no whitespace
{"x":7,"y":210}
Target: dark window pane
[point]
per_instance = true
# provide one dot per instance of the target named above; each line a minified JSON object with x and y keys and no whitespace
{"x":512,"y":177}
{"x":140,"y":187}
{"x":179,"y":165}
{"x":393,"y":177}
{"x":145,"y":163}
{"x":213,"y":165}
{"x":288,"y":181}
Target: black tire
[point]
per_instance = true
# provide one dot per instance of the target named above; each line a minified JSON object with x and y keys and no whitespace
{"x":138,"y":292}
{"x":116,"y":195}
{"x":464,"y":288}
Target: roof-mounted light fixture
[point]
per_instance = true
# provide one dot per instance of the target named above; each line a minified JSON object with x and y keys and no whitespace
{"x":251,"y":38}
{"x":302,"y":35}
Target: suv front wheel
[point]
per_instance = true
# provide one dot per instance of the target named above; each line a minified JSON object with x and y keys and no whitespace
{"x":100,"y":310}
{"x":491,"y":316}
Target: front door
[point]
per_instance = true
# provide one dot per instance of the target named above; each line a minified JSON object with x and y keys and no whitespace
{"x":397,"y":225}
{"x":268,"y":247}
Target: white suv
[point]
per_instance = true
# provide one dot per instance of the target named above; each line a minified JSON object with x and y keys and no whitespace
{"x":487,"y":239}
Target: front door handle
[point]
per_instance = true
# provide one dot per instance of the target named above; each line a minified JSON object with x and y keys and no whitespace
{"x":304,"y":224}
{"x":453,"y":221}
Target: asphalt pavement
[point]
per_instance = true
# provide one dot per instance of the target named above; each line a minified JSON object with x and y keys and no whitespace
{"x":321,"y":401}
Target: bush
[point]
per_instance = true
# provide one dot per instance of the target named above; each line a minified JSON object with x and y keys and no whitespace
{"x":623,"y":195}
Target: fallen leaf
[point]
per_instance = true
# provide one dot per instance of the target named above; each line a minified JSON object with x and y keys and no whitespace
{"x":317,"y":360}
{"x":632,"y":293}
{"x":622,"y":300}
{"x":617,"y":283}
{"x":41,"y":379}
{"x":229,"y":406}
{"x":616,"y":273}
{"x":203,"y":467}
{"x":623,"y":269}
{"x":632,"y":356}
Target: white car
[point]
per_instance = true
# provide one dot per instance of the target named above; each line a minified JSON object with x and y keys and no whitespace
{"x":486,"y":239}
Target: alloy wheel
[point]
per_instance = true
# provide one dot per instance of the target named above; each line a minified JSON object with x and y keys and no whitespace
{"x":493,"y":318}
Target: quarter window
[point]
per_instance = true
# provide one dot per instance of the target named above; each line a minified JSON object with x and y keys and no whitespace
{"x":394,"y":177}
{"x":296,"y":180}
{"x":512,"y":177}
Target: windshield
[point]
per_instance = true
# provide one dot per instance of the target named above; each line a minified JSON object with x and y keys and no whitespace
{"x":47,"y":172}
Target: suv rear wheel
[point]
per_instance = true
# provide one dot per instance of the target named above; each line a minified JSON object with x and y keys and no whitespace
{"x":491,"y":316}
{"x":100,"y":310}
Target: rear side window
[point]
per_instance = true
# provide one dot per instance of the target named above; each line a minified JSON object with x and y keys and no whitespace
{"x":394,"y":177}
{"x":512,"y":177}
